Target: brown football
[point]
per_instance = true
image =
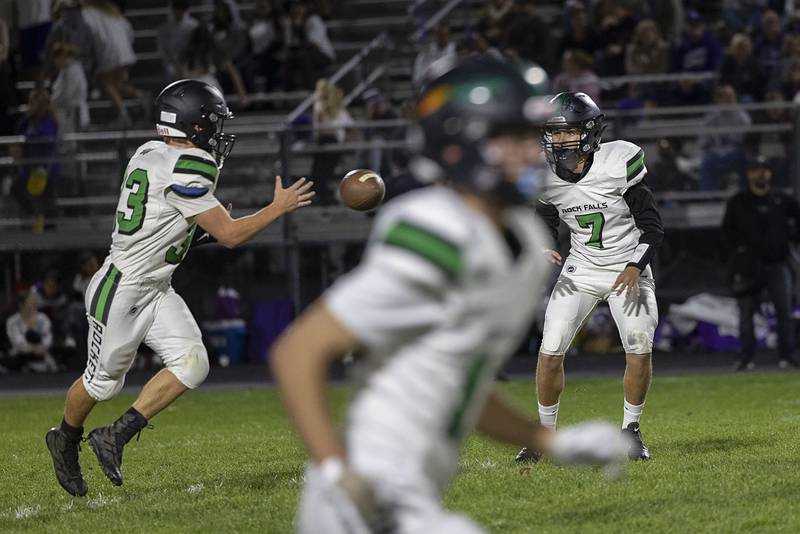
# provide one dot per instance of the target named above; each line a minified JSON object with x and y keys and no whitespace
{"x":362,"y":189}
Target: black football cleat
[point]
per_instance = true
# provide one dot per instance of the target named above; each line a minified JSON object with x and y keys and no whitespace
{"x":526,"y":456}
{"x":107,"y":446}
{"x":64,"y":452}
{"x":638,"y":450}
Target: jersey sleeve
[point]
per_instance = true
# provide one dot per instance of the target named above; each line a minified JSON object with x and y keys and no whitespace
{"x":400,"y":290}
{"x":635,"y":169}
{"x":191,"y":185}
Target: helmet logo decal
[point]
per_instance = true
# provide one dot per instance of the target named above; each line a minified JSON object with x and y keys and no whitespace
{"x":435,"y":99}
{"x":168,"y":116}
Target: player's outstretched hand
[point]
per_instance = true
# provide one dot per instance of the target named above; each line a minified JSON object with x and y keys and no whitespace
{"x":297,"y":195}
{"x":360,"y":495}
{"x":552,"y":256}
{"x":591,"y":443}
{"x":627,"y":281}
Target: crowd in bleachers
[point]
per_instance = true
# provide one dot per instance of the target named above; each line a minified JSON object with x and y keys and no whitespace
{"x":76,"y":50}
{"x":46,"y":330}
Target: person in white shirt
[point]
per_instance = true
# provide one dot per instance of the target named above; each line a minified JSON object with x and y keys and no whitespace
{"x":30,"y":334}
{"x":174,"y":35}
{"x":441,"y":51}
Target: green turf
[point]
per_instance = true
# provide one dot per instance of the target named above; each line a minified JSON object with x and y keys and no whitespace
{"x":726,"y":454}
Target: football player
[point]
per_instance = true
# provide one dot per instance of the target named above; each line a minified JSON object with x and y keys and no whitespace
{"x":440,"y":301}
{"x":167,"y":192}
{"x":598,"y":190}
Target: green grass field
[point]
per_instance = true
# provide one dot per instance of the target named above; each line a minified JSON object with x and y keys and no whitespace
{"x":726,"y":452}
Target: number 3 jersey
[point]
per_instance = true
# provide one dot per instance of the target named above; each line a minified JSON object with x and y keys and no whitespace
{"x":603,"y":229}
{"x":164,"y":188}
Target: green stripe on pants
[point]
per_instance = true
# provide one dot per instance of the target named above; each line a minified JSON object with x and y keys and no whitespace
{"x":104,"y":301}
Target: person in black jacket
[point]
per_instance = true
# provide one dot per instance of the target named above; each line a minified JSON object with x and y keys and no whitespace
{"x":758,"y":226}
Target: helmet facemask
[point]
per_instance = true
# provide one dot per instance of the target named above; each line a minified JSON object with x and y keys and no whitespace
{"x":565,"y":157}
{"x":221,"y":143}
{"x":218,"y":143}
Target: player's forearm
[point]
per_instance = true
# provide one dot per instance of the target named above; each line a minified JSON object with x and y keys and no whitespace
{"x":300,"y":361}
{"x":502,"y":422}
{"x":245,"y":228}
{"x":303,"y":382}
{"x":642,"y":204}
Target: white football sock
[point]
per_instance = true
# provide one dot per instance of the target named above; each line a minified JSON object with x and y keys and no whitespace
{"x":631,"y":413}
{"x":548,"y":415}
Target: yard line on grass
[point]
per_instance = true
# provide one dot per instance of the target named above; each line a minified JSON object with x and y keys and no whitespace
{"x":25,"y":512}
{"x":101,"y":501}
{"x":195,"y":488}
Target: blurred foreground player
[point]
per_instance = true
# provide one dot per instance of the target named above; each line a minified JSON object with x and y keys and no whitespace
{"x":598,"y":190}
{"x":167,"y":191}
{"x":443,"y":297}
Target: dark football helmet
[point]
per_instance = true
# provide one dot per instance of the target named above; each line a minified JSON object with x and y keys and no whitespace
{"x":465,"y":107}
{"x":196,"y":111}
{"x":573,"y":111}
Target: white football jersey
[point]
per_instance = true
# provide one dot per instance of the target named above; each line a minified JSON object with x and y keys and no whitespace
{"x":439,"y":303}
{"x":602,"y":229}
{"x":164,"y":187}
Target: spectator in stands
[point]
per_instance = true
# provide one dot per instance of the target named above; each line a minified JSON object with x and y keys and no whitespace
{"x":723,"y":152}
{"x":668,"y":14}
{"x":791,"y":81}
{"x":668,"y":174}
{"x":7,"y":89}
{"x":577,"y":75}
{"x":769,"y":44}
{"x":699,"y":50}
{"x":378,"y":109}
{"x":441,"y":50}
{"x":54,"y":303}
{"x":777,"y":115}
{"x":38,"y":167}
{"x":330,"y":122}
{"x":29,"y":332}
{"x":87,"y":266}
{"x":230,"y":34}
{"x":758,"y":227}
{"x":174,"y":36}
{"x":33,"y":22}
{"x":578,"y":34}
{"x":495,"y":17}
{"x":266,"y":42}
{"x":528,"y":35}
{"x":647,"y":53}
{"x":309,"y":51}
{"x":202,"y":60}
{"x":113,"y":44}
{"x":617,"y":24}
{"x":741,"y":70}
{"x":70,"y":27}
{"x":70,"y":90}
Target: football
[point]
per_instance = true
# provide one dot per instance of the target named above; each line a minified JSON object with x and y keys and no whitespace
{"x":362,"y":190}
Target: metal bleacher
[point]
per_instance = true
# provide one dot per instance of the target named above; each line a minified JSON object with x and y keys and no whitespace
{"x":375,"y":42}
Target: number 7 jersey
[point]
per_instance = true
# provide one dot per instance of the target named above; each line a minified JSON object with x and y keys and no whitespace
{"x":602,"y":229}
{"x":163,"y":189}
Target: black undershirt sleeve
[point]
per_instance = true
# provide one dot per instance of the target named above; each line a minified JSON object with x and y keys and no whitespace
{"x":549,"y":214}
{"x":645,"y":213}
